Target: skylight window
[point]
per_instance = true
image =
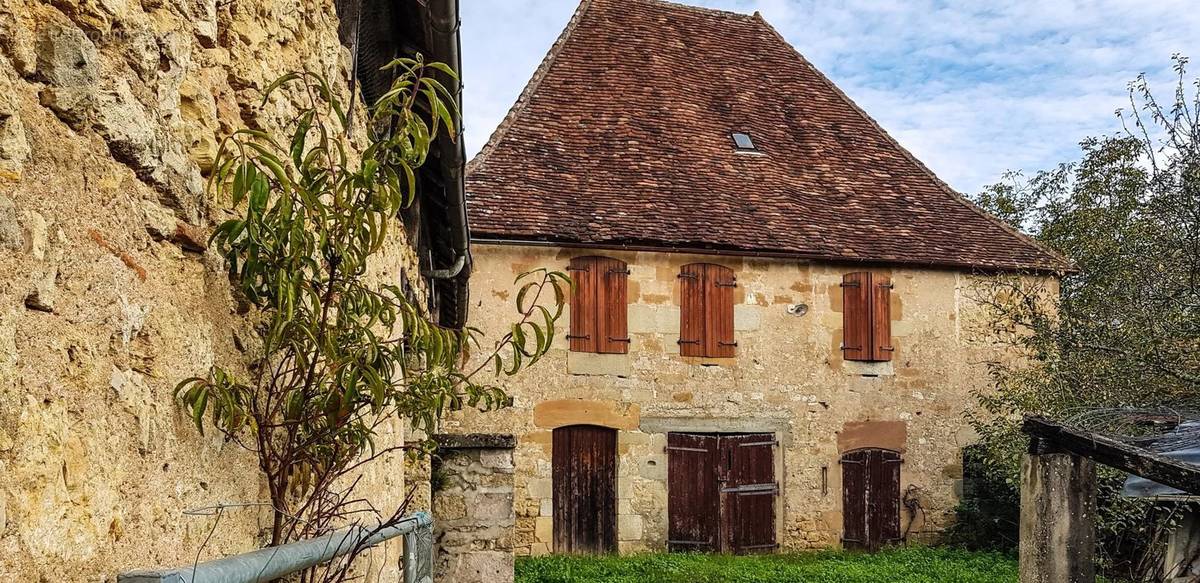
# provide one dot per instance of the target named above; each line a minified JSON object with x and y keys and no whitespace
{"x":743,"y":143}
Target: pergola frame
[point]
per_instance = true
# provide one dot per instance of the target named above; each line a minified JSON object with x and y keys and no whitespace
{"x":1058,"y":495}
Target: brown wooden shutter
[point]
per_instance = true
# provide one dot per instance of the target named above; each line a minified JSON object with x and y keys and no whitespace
{"x":856,"y":316}
{"x":583,"y":336}
{"x":611,"y":306}
{"x":881,"y":318}
{"x":718,"y":310}
{"x":691,"y":309}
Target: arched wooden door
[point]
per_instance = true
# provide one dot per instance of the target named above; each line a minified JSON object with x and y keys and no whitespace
{"x":870,"y":498}
{"x":585,"y":489}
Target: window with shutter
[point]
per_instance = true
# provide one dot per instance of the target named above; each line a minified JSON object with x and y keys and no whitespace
{"x":599,"y":305}
{"x":866,"y":317}
{"x":706,"y":311}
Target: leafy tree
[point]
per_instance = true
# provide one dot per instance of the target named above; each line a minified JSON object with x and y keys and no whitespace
{"x":339,"y":353}
{"x":1125,"y":329}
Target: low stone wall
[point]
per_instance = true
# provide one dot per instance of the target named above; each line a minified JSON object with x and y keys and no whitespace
{"x":473,"y":515}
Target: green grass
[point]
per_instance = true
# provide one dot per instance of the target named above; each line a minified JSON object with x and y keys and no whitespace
{"x":905,"y":565}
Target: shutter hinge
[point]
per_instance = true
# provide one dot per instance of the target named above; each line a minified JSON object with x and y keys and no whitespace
{"x":570,"y":268}
{"x":577,"y":337}
{"x":887,"y":348}
{"x":844,"y":347}
{"x":682,"y":341}
{"x":734,"y":343}
{"x":730,"y":284}
{"x":851,"y":284}
{"x":888,"y":285}
{"x":689,"y":275}
{"x":622,"y":271}
{"x":611,"y":339}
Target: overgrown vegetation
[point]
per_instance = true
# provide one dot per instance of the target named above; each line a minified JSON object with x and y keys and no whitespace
{"x":339,"y":352}
{"x":1125,"y":331}
{"x":903,"y":565}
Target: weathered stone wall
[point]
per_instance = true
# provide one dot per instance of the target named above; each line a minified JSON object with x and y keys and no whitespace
{"x":788,"y":378}
{"x":109,"y":116}
{"x":473,"y":514}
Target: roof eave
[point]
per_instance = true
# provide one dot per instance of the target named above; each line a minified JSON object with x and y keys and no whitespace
{"x":667,"y":247}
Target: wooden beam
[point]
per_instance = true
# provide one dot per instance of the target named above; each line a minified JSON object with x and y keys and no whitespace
{"x":1110,"y":452}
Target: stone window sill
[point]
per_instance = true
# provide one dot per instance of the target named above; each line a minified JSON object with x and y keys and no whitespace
{"x":595,"y":364}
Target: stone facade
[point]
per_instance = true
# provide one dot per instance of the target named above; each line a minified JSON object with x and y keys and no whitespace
{"x":788,"y":378}
{"x":473,"y":515}
{"x":109,"y":115}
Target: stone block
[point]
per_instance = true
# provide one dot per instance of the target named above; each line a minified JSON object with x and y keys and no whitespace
{"x":12,"y":237}
{"x":552,"y":414}
{"x":747,"y":318}
{"x":653,"y":469}
{"x":66,"y":57}
{"x":479,"y":567}
{"x":14,"y":148}
{"x":492,"y":507}
{"x":891,"y":435}
{"x":644,"y":319}
{"x":543,"y":529}
{"x":539,"y":488}
{"x":449,"y":506}
{"x":629,"y":527}
{"x":546,"y":507}
{"x":496,"y":459}
{"x":879,"y":369}
{"x":587,"y":363}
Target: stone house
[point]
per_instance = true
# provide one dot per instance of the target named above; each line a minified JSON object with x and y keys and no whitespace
{"x":771,"y":342}
{"x":110,"y":112}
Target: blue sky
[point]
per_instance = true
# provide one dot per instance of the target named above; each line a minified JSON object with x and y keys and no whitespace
{"x":973,"y":88}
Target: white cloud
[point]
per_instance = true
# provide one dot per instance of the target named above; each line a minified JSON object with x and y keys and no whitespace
{"x":973,"y":88}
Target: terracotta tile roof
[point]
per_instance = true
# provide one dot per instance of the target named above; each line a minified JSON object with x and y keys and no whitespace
{"x":622,"y":137}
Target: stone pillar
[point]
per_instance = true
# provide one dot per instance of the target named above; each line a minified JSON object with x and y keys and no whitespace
{"x":1058,"y":518}
{"x":1182,"y":560}
{"x":471,"y":483}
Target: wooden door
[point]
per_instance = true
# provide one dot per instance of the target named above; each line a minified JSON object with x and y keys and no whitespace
{"x":870,"y":498}
{"x":693,"y":510}
{"x":585,"y":489}
{"x":721,"y":492}
{"x":748,"y":492}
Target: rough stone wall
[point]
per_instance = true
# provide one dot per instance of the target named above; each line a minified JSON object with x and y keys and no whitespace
{"x":473,"y":513}
{"x":109,"y":116}
{"x":788,"y":378}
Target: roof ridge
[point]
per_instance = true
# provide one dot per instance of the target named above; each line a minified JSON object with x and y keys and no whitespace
{"x":530,"y":88}
{"x":703,"y":9}
{"x":942,"y":185}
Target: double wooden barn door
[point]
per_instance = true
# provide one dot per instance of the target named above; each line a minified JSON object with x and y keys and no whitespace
{"x":870,"y":498}
{"x":585,"y":489}
{"x":721,"y":492}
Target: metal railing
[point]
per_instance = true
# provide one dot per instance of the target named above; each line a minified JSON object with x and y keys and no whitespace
{"x":271,"y":563}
